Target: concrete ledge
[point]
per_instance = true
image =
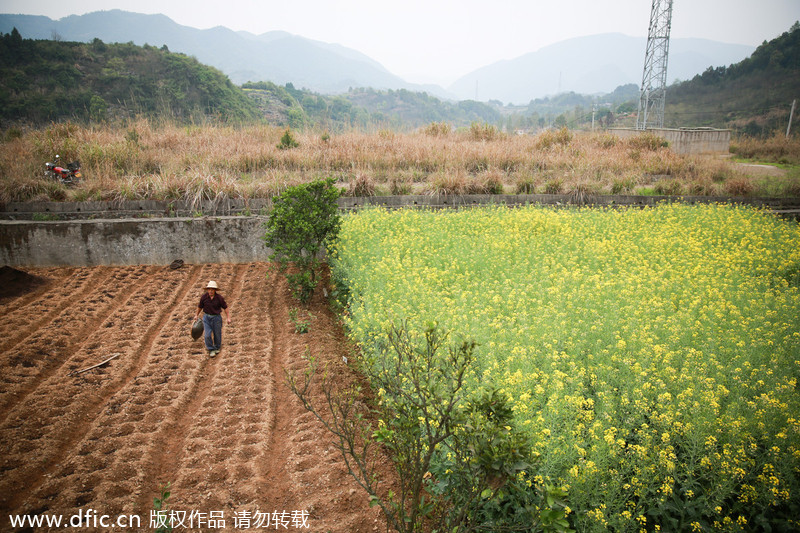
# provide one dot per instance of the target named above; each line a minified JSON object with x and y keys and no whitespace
{"x":157,"y":240}
{"x":468,"y":200}
{"x":133,"y":209}
{"x":170,"y":210}
{"x":152,"y":241}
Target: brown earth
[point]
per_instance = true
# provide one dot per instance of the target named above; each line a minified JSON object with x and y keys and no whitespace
{"x":226,"y":432}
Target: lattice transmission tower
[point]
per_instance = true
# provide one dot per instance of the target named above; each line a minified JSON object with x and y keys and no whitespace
{"x":654,"y":77}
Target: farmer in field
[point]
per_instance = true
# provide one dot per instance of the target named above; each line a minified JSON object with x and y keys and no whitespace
{"x":212,"y":305}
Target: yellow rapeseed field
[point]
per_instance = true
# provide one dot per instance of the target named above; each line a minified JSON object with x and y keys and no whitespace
{"x":652,"y":355}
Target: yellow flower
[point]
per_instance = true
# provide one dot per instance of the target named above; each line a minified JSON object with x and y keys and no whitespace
{"x":571,"y":321}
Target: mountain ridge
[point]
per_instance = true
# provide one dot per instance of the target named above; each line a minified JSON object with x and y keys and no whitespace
{"x":582,"y":65}
{"x":281,"y":58}
{"x":590,"y":64}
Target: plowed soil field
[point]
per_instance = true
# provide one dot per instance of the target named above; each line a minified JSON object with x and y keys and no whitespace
{"x":225,"y":432}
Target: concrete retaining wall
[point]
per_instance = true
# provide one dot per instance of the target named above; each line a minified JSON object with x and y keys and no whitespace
{"x":152,"y":241}
{"x":153,"y":209}
{"x":687,"y":141}
{"x":132,"y":209}
{"x":156,"y":240}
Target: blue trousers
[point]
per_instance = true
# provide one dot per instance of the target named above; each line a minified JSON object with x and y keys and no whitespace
{"x":212,"y":331}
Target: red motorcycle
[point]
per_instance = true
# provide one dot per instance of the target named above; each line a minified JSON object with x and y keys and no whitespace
{"x":68,"y":175}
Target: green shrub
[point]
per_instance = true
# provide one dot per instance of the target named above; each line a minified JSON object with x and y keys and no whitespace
{"x":132,"y":136}
{"x":437,"y":129}
{"x":623,"y":185}
{"x":792,"y":188}
{"x":484,"y":474}
{"x":483,"y":132}
{"x":669,"y":188}
{"x":399,"y":186}
{"x":287,"y":141}
{"x":304,"y":220}
{"x":554,"y":186}
{"x":560,"y":137}
{"x":12,"y":133}
{"x":720,"y":175}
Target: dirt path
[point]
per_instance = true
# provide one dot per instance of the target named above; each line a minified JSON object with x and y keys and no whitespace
{"x":753,"y":169}
{"x":225,"y":432}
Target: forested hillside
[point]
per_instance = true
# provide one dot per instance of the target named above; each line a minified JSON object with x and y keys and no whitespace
{"x":42,"y":81}
{"x":364,"y":108}
{"x":753,"y":96}
{"x":51,"y":80}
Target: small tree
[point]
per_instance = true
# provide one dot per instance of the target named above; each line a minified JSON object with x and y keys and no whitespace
{"x":460,"y":464}
{"x":304,"y":219}
{"x":287,"y":141}
{"x":414,"y":421}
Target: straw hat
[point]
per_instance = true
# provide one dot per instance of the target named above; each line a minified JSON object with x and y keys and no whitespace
{"x":212,"y":285}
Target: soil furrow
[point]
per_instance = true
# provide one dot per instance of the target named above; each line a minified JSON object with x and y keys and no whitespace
{"x":276,"y":471}
{"x":168,"y":442}
{"x":302,"y":452}
{"x":63,"y":429}
{"x":226,"y":432}
{"x":135,"y":410}
{"x":42,"y":353}
{"x":33,"y":311}
{"x":29,"y":289}
{"x":29,"y":317}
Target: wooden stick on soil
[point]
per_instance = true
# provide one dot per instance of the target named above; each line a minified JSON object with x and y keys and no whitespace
{"x":76,"y":372}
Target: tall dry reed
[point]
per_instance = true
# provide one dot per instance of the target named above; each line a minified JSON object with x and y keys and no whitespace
{"x":143,"y":159}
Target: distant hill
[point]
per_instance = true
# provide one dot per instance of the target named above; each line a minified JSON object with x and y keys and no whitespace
{"x":53,"y":80}
{"x":588,"y":65}
{"x":413,"y":109}
{"x":364,"y":109}
{"x":278,"y":57}
{"x":44,"y":80}
{"x":753,"y":96}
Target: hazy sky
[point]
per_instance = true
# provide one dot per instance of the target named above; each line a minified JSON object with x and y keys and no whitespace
{"x":440,"y":40}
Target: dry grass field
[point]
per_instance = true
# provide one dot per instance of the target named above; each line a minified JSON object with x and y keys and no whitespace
{"x":143,"y":160}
